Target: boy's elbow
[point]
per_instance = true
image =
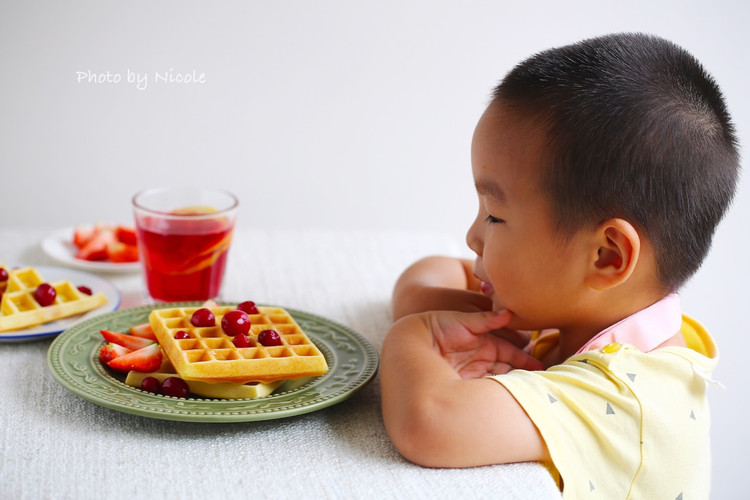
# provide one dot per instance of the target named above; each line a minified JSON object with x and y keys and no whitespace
{"x":419,"y":436}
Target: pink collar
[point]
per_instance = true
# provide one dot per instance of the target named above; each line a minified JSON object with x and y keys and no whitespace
{"x":645,"y":330}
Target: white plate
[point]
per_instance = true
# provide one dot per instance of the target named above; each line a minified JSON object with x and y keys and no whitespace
{"x":96,"y":283}
{"x":59,"y":245}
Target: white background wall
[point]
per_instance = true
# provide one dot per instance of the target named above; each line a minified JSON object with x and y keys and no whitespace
{"x":327,"y":114}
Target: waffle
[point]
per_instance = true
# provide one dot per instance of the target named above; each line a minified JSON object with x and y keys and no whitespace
{"x":209,"y":354}
{"x":19,"y":309}
{"x":224,"y":390}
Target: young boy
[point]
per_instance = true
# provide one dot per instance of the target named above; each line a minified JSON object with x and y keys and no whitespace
{"x":602,"y":169}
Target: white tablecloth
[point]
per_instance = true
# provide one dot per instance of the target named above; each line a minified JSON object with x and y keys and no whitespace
{"x":54,"y":444}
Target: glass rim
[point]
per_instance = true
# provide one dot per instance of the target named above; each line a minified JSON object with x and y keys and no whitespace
{"x":139,"y":206}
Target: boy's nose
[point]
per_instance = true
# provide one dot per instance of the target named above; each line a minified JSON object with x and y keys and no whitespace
{"x":474,"y":239}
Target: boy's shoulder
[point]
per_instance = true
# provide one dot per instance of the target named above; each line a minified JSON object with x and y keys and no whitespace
{"x":615,"y":418}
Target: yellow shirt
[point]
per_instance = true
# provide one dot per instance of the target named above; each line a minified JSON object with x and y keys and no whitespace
{"x":621,"y":423}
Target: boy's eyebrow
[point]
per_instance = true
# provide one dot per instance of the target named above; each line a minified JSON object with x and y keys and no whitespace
{"x":488,"y":188}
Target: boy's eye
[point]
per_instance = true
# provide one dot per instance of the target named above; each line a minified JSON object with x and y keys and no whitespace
{"x":493,"y":220}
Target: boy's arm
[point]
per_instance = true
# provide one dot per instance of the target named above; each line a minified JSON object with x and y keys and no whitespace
{"x":438,"y":284}
{"x":438,"y":417}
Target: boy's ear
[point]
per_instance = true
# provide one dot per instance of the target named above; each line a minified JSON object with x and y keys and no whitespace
{"x":615,"y":251}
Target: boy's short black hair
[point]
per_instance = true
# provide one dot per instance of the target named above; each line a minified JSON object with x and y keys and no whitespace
{"x":636,"y":129}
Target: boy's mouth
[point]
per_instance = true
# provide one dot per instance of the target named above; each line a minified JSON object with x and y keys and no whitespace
{"x":486,"y":288}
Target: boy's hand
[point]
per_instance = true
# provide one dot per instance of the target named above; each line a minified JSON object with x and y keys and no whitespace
{"x":465,"y":341}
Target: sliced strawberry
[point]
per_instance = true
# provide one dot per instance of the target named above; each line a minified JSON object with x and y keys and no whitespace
{"x":126,"y":234}
{"x":129,"y":341}
{"x":110,"y":351}
{"x":143,"y":330}
{"x":82,"y":235}
{"x":118,"y":251}
{"x":147,"y":359}
{"x":96,"y":248}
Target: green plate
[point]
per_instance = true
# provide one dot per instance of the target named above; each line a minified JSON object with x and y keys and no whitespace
{"x":73,"y":359}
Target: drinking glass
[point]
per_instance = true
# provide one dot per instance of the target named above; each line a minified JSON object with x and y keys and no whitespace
{"x":184,"y":234}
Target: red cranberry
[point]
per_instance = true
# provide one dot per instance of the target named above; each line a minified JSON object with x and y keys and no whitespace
{"x":45,"y":294}
{"x":176,"y":387}
{"x":3,"y":274}
{"x":249,"y":307}
{"x":235,"y":323}
{"x":269,"y":338}
{"x":181,"y":334}
{"x":151,"y":384}
{"x":203,"y":317}
{"x":84,"y":289}
{"x":241,"y":340}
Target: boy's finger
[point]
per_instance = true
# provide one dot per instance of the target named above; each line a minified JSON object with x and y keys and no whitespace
{"x":519,"y":339}
{"x":518,"y":358}
{"x":484,"y":322}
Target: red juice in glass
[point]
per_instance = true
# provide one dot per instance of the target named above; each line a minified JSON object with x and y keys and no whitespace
{"x":184,"y":247}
